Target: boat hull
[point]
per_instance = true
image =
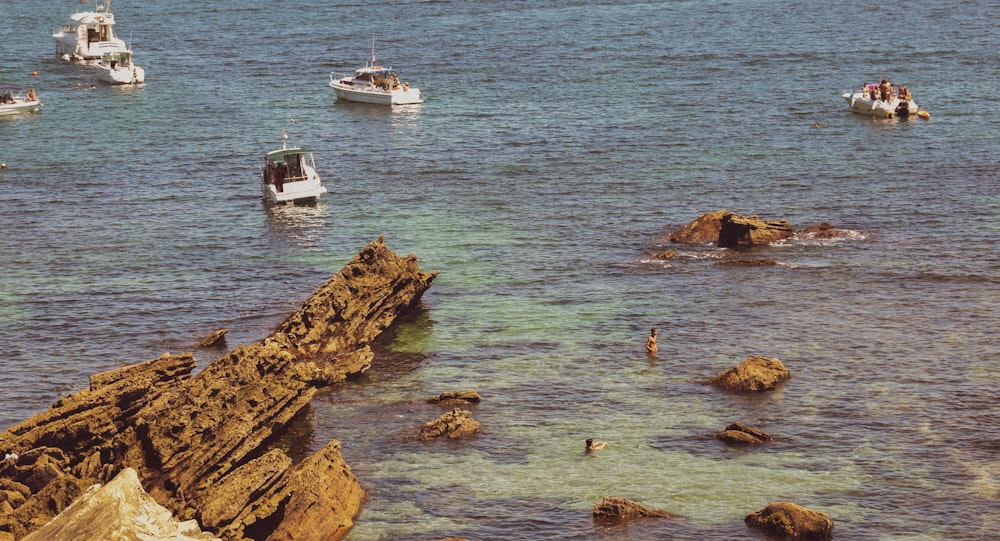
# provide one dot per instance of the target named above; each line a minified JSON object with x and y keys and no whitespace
{"x":348,"y":91}
{"x":298,"y":193}
{"x":121,"y":76}
{"x":20,"y":106}
{"x":880,"y":109}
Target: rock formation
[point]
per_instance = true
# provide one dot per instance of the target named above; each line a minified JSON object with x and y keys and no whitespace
{"x":613,"y":508}
{"x":702,"y":230}
{"x":456,"y":397}
{"x":738,"y":231}
{"x":215,"y":340}
{"x":200,"y":443}
{"x":741,"y":434}
{"x":120,"y":510}
{"x":755,"y":373}
{"x":791,"y":521}
{"x":756,"y":262}
{"x":457,"y":423}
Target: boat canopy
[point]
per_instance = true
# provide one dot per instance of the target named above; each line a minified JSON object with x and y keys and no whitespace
{"x":276,"y":154}
{"x":10,"y":86}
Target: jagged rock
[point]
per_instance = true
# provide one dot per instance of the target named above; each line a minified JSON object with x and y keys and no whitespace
{"x":666,"y":254}
{"x":614,"y":508}
{"x":822,"y":231}
{"x":755,"y":373}
{"x":216,"y":339}
{"x":791,"y":521}
{"x":200,"y":442}
{"x":457,"y":423}
{"x":757,"y":262}
{"x":738,"y":231}
{"x":452,"y":397}
{"x":120,"y":510}
{"x":702,"y":230}
{"x":741,"y":434}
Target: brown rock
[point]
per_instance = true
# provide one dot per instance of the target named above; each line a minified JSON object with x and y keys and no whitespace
{"x":739,"y":433}
{"x":702,"y":230}
{"x":192,"y":437}
{"x":758,"y":262}
{"x":755,"y":373}
{"x":452,"y":397}
{"x":216,"y":339}
{"x":823,"y":231}
{"x":791,"y":521}
{"x":614,"y":508}
{"x":738,"y":231}
{"x":457,"y":423}
{"x":119,"y":510}
{"x":666,"y":254}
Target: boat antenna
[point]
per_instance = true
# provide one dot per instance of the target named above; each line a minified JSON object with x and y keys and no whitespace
{"x":284,"y":136}
{"x":373,"y":50}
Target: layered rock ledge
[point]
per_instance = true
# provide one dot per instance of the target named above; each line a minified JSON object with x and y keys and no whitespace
{"x":200,"y":443}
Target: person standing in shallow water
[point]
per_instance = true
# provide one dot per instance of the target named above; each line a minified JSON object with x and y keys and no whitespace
{"x":651,"y":341}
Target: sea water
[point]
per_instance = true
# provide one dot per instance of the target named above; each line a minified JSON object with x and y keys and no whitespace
{"x":559,"y":144}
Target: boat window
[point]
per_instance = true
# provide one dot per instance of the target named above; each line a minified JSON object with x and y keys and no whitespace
{"x":294,"y":165}
{"x":364,"y":76}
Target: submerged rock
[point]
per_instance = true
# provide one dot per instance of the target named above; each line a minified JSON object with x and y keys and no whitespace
{"x":741,"y":434}
{"x":215,"y":340}
{"x":200,"y":443}
{"x":452,"y":397}
{"x":755,"y":373}
{"x":614,"y":508}
{"x":791,"y":521}
{"x":457,"y":423}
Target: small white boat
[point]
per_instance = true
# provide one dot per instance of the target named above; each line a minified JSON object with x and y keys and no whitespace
{"x":374,"y":84}
{"x":118,"y":69}
{"x":87,"y":36}
{"x":14,"y":101}
{"x":869,"y":102}
{"x":290,"y":176}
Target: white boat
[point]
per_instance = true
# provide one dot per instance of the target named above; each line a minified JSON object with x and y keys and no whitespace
{"x":87,"y":36}
{"x":290,"y":176}
{"x":869,"y":102}
{"x":118,"y":69}
{"x":14,"y":101}
{"x":374,"y":84}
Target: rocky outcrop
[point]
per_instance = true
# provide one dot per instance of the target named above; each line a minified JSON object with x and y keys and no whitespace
{"x":457,"y":423}
{"x":756,"y":262}
{"x":738,"y":231}
{"x":215,"y":340}
{"x":791,"y":521}
{"x":702,"y":230}
{"x":754,"y":374}
{"x":456,"y":397}
{"x":823,"y":231}
{"x":120,"y":510}
{"x":201,"y":443}
{"x":741,"y":434}
{"x":614,"y":508}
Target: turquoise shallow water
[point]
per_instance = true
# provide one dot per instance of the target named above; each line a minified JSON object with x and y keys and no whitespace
{"x":560,"y":142}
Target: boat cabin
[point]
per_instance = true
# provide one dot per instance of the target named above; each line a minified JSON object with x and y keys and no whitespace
{"x":118,"y":59}
{"x":287,"y":165}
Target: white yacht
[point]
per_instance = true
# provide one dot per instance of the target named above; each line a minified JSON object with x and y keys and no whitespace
{"x":118,"y":69}
{"x":374,"y":84}
{"x":87,"y":36}
{"x":290,"y":176}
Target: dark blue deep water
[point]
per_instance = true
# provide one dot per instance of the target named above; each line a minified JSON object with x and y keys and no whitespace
{"x":560,"y":143}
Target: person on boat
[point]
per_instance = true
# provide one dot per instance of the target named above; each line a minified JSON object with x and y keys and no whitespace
{"x":886,"y":90}
{"x":651,"y":341}
{"x":595,"y":445}
{"x":395,"y":81}
{"x":31,"y":95}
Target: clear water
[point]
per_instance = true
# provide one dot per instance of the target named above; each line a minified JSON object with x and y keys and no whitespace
{"x":559,"y":144}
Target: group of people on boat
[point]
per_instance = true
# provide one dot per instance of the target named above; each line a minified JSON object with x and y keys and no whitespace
{"x":8,"y":96}
{"x":883,"y":92}
{"x":390,"y":83}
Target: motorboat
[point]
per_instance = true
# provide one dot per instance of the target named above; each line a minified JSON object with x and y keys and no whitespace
{"x":290,"y":176}
{"x":87,"y":36}
{"x":13,"y":100}
{"x":118,"y":69}
{"x":869,"y":102}
{"x":374,"y":84}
